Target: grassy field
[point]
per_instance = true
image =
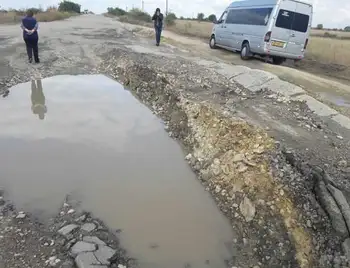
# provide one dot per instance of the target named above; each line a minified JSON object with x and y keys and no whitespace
{"x":322,"y":47}
{"x":14,"y":17}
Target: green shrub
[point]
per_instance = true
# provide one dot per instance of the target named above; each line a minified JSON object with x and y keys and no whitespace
{"x":138,"y":14}
{"x":116,"y":11}
{"x":170,"y":19}
{"x":68,"y":6}
{"x":329,"y":35}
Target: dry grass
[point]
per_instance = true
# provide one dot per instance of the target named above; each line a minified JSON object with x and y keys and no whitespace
{"x":320,"y":48}
{"x":339,"y":34}
{"x":327,"y":50}
{"x":192,"y":28}
{"x":13,"y":17}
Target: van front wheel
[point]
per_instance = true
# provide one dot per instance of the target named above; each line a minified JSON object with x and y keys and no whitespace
{"x":278,"y":60}
{"x":212,"y":42}
{"x":245,"y":52}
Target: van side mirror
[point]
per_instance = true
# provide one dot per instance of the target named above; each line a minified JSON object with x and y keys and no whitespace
{"x":218,"y":22}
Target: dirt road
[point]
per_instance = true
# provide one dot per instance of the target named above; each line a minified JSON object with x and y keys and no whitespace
{"x":333,"y":91}
{"x":264,"y":158}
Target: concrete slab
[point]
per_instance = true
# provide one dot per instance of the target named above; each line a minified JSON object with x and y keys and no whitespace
{"x":88,"y":227}
{"x":317,"y":107}
{"x":342,"y":120}
{"x":103,"y":254}
{"x":81,"y":246}
{"x":207,"y":63}
{"x":68,"y":229}
{"x":281,"y":87}
{"x":88,"y":260}
{"x":229,"y":70}
{"x":254,"y":79}
{"x":94,"y":240}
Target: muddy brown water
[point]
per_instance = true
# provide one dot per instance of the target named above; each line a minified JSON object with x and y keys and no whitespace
{"x":89,"y":137}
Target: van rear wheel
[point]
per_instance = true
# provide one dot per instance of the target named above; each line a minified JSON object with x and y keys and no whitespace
{"x":245,"y":52}
{"x":278,"y":60}
{"x":212,"y":42}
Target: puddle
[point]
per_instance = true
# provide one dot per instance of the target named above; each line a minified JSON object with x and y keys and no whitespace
{"x":337,"y":100}
{"x":87,"y":136}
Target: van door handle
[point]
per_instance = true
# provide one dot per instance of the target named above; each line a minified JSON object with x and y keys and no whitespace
{"x":292,"y":35}
{"x":223,"y":26}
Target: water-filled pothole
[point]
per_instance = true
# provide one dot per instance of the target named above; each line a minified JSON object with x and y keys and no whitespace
{"x":339,"y":100}
{"x":87,"y":136}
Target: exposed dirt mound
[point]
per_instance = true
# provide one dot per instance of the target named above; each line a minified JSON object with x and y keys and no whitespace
{"x":277,"y":216}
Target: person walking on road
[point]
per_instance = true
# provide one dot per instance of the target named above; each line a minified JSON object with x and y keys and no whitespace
{"x":30,"y":35}
{"x":158,"y":24}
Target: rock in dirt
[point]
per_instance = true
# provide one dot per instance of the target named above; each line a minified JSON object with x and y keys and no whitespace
{"x":342,"y":164}
{"x":247,"y":209}
{"x":88,"y":227}
{"x":71,"y":211}
{"x":21,"y":215}
{"x":238,"y":158}
{"x":67,"y":264}
{"x":80,"y":247}
{"x":68,"y":229}
{"x":346,"y":248}
{"x":94,"y":240}
{"x":88,"y":260}
{"x":53,"y":261}
{"x":331,"y":207}
{"x":342,"y":203}
{"x":104,"y":253}
{"x":2,"y":201}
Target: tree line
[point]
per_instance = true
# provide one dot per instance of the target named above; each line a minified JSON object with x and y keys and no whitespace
{"x":320,"y":27}
{"x":144,"y":16}
{"x":64,"y":6}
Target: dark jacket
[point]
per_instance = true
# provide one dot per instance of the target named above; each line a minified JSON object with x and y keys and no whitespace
{"x":158,"y":20}
{"x":29,"y":23}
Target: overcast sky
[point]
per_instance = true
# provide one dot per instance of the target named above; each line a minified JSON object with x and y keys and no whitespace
{"x":331,"y":13}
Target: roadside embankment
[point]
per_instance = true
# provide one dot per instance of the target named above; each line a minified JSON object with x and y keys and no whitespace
{"x":266,"y":198}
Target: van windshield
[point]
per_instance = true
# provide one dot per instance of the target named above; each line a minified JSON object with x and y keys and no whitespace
{"x":292,"y":21}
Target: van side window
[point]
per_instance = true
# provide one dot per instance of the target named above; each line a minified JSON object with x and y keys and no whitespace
{"x":223,"y":16}
{"x":292,"y":21}
{"x":251,"y":16}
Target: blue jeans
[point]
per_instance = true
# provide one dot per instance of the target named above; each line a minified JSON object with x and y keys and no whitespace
{"x":158,"y":33}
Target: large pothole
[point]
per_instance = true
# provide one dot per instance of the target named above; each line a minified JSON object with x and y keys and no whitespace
{"x":89,"y":137}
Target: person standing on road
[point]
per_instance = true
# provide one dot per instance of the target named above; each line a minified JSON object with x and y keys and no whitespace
{"x":158,"y":24}
{"x":30,"y":35}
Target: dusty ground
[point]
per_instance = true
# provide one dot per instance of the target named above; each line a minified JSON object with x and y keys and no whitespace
{"x":265,"y":175}
{"x":325,"y":56}
{"x":325,"y":82}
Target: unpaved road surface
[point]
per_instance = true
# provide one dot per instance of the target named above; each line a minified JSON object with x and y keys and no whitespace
{"x":277,"y":171}
{"x":324,"y":82}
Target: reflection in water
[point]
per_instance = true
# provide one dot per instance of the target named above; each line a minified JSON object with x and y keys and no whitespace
{"x":38,"y":99}
{"x":112,"y":155}
{"x":5,"y":93}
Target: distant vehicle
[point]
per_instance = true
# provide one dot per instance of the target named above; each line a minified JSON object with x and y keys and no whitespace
{"x":277,"y":29}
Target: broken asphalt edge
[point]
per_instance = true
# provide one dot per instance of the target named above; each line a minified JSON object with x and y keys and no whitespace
{"x":212,"y":138}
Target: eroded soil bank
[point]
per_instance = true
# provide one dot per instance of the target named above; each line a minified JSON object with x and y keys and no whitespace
{"x":254,"y":181}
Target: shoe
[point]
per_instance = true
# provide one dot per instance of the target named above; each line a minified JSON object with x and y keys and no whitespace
{"x":37,"y":61}
{"x":157,"y":44}
{"x":30,"y":60}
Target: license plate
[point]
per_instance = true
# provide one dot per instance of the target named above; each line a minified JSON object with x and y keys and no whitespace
{"x":278,"y":44}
